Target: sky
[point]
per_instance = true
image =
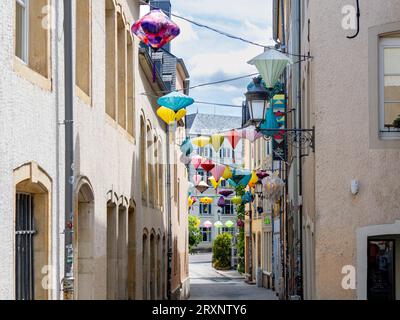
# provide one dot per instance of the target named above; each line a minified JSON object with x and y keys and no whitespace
{"x":210,"y":56}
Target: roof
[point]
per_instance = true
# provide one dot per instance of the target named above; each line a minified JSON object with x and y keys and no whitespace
{"x":200,"y":123}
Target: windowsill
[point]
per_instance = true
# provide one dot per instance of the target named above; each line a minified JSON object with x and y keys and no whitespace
{"x":83,"y":96}
{"x":120,"y":129}
{"x":32,"y":76}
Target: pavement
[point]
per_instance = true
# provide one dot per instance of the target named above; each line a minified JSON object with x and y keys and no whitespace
{"x":206,"y":283}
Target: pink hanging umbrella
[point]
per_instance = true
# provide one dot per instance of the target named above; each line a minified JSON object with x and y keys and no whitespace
{"x":251,"y":134}
{"x":218,"y":171}
{"x":207,"y":224}
{"x":233,"y":137}
{"x":196,"y":161}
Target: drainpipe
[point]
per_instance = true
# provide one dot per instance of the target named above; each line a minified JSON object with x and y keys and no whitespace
{"x":299,"y":160}
{"x":68,"y":281}
{"x":169,"y":267}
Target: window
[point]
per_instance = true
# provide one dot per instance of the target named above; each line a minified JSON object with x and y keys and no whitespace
{"x":111,"y":59}
{"x":83,"y":46}
{"x":32,"y":47}
{"x":205,"y":209}
{"x":21,"y":30}
{"x":390,"y":87}
{"x":206,"y":234}
{"x":228,"y":209}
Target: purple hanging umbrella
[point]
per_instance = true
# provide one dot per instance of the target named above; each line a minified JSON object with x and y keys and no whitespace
{"x":221,"y":202}
{"x":226,"y":193}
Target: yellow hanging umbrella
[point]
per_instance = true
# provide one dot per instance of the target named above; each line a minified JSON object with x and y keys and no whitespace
{"x":167,"y":115}
{"x":214,"y":182}
{"x":180,"y":114}
{"x":253,"y":180}
{"x":217,"y":140}
{"x":190,"y":202}
{"x":201,"y":141}
{"x":227,"y":173}
{"x":206,"y":200}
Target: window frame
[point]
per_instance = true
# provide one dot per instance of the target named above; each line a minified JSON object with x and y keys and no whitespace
{"x":25,"y":32}
{"x":384,"y":43}
{"x":207,"y":232}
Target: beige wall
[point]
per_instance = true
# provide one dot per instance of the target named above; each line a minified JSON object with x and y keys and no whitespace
{"x":347,"y":142}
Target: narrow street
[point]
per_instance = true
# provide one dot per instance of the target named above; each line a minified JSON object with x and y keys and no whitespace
{"x":206,"y":283}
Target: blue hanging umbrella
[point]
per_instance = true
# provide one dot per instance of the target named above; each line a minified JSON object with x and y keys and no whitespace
{"x":240,"y":175}
{"x":175,"y":101}
{"x":247,"y":198}
{"x":187,"y":147}
{"x":270,"y":123}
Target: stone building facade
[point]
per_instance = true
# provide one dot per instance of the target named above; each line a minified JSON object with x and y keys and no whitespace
{"x":121,"y":220}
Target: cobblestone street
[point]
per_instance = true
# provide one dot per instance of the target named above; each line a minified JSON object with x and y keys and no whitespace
{"x":206,"y":283}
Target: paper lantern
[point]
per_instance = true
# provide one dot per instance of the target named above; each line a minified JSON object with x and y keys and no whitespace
{"x":240,"y":223}
{"x":253,"y":180}
{"x":202,"y":187}
{"x":196,"y":161}
{"x":206,"y":200}
{"x":227,"y":173}
{"x":201,"y":141}
{"x":155,"y":29}
{"x":175,"y":101}
{"x":167,"y":115}
{"x":207,"y":165}
{"x":247,"y":198}
{"x":229,"y":224}
{"x":221,"y":202}
{"x":226,"y":193}
{"x":180,"y":115}
{"x":271,"y":64}
{"x":217,"y":141}
{"x":214,"y":182}
{"x":186,"y":147}
{"x":233,"y":137}
{"x":236,"y":200}
{"x":218,"y":224}
{"x":218,"y":171}
{"x":207,"y":224}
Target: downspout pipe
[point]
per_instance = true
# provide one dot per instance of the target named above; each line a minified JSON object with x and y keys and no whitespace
{"x":68,"y":281}
{"x":169,"y":216}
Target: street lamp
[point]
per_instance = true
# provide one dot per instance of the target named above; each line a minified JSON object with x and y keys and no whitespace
{"x":259,"y":188}
{"x":257,"y":100}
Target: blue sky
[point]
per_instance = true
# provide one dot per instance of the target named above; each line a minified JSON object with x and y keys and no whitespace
{"x":212,"y":57}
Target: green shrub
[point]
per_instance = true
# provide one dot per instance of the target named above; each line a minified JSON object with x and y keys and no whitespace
{"x":194,"y":233}
{"x":222,"y":251}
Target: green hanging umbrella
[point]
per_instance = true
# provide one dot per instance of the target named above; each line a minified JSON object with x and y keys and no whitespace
{"x":218,"y":224}
{"x":229,"y":224}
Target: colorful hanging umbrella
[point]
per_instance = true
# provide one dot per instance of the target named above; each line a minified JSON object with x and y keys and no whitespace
{"x":247,"y":198}
{"x":196,"y":161}
{"x":175,"y":101}
{"x":232,"y":183}
{"x":167,"y":115}
{"x":236,"y":200}
{"x":202,"y":187}
{"x":179,"y":115}
{"x":233,"y":137}
{"x":201,"y":141}
{"x":262,"y":174}
{"x":207,"y":165}
{"x":229,"y":224}
{"x":218,"y":171}
{"x":227,"y":173}
{"x":253,"y":180}
{"x":155,"y":29}
{"x":270,"y":124}
{"x":190,"y":202}
{"x":217,"y":141}
{"x":187,"y":147}
{"x":240,"y":223}
{"x":207,"y":224}
{"x":251,"y":134}
{"x":241,"y":176}
{"x":218,"y":224}
{"x":206,"y":200}
{"x":221,"y":202}
{"x":196,"y":179}
{"x":226,"y":193}
{"x":194,"y":200}
{"x":185,"y":160}
{"x":214,"y":182}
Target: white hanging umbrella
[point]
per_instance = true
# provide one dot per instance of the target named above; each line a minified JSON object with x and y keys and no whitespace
{"x":271,"y":65}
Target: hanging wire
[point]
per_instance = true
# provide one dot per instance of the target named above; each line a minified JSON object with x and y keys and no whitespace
{"x":201,"y":25}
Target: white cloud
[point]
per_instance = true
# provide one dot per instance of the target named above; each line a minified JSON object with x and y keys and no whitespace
{"x":238,"y":101}
{"x":187,"y":32}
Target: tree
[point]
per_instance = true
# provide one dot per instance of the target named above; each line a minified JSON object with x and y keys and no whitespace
{"x":222,"y":251}
{"x":194,"y":233}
